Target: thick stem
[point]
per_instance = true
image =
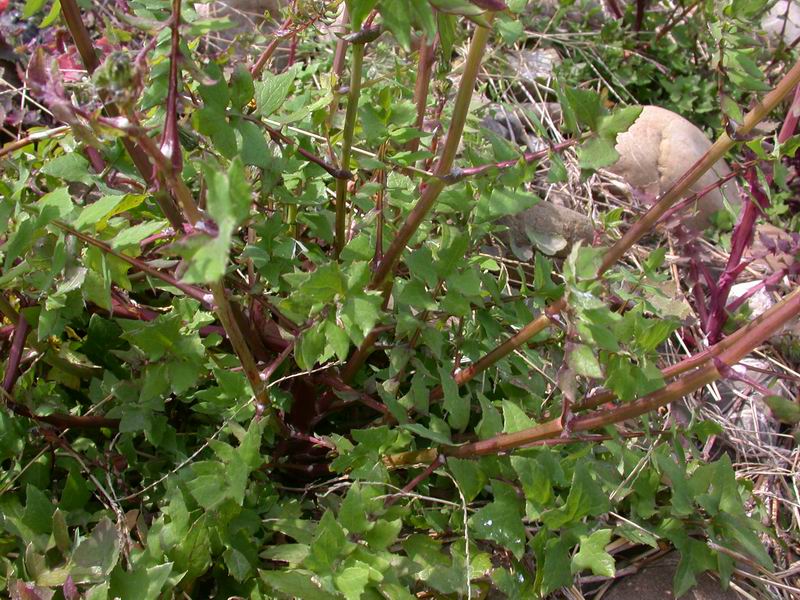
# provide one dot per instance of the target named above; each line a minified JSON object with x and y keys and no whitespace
{"x":60,"y":420}
{"x":445,"y":163}
{"x":223,"y":307}
{"x":337,"y":68}
{"x":21,"y":330}
{"x":347,"y":143}
{"x":741,"y":239}
{"x":33,"y":137}
{"x":170,"y":142}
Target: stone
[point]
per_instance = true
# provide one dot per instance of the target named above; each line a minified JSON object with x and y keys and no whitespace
{"x":533,"y":67}
{"x":508,"y":124}
{"x":782,"y":21}
{"x":547,"y":227}
{"x":655,"y":581}
{"x":658,"y":149}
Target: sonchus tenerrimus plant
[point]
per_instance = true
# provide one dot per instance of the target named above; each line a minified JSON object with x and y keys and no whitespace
{"x":254,"y":346}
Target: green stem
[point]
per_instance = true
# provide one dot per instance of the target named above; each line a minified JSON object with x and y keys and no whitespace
{"x":347,"y":143}
{"x":445,"y":164}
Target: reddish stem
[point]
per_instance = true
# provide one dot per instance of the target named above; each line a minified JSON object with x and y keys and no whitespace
{"x":21,"y":330}
{"x":792,"y":115}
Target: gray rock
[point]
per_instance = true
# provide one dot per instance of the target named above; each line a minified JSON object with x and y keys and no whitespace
{"x":658,"y":149}
{"x":547,"y":227}
{"x":508,"y":124}
{"x":534,"y":66}
{"x":782,"y":21}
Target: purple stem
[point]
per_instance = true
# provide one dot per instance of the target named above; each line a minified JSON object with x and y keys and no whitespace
{"x":767,"y":282}
{"x":741,"y":239}
{"x":792,"y":115}
{"x":613,"y":7}
{"x":21,"y":330}
{"x":170,"y":142}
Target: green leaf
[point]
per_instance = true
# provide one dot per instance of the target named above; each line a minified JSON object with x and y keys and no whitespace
{"x":503,"y":202}
{"x":207,"y":485}
{"x":254,"y":148}
{"x":96,"y":555}
{"x":296,"y":583}
{"x":32,"y":7}
{"x":582,"y":361}
{"x":353,"y":580}
{"x":94,"y":214}
{"x":360,"y":313}
{"x":242,"y":88}
{"x":396,"y":17}
{"x":675,"y":473}
{"x":38,"y":510}
{"x":354,"y":510}
{"x":272,"y":91}
{"x":422,"y":431}
{"x":329,"y":542}
{"x":457,"y":406}
{"x":143,"y":583}
{"x":501,"y":520}
{"x":592,"y":554}
{"x":310,"y":347}
{"x":514,"y":418}
{"x":69,"y":167}
{"x":784,"y":410}
{"x":597,"y":153}
{"x":228,"y":204}
{"x":469,"y":475}
{"x":415,"y":294}
{"x":359,"y":10}
{"x":586,"y":497}
{"x":619,"y":121}
{"x":212,"y":122}
{"x":19,"y":242}
{"x":383,"y":533}
{"x":586,"y":105}
{"x":55,"y":205}
{"x":535,"y":477}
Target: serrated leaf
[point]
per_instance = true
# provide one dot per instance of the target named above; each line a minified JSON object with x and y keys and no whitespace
{"x":271,"y":92}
